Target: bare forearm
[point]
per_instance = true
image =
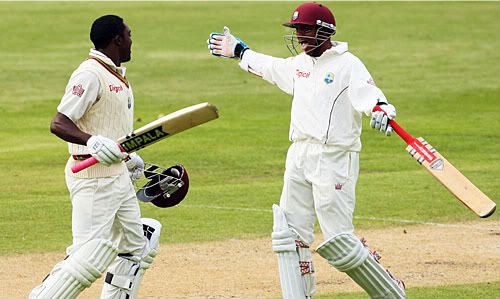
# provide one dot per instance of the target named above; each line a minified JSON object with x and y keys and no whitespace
{"x":65,"y":128}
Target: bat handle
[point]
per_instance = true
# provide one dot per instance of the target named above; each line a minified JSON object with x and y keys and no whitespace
{"x":84,"y":164}
{"x":88,"y":162}
{"x":397,"y":128}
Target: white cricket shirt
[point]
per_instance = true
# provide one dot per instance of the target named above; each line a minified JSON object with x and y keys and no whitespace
{"x":99,"y":100}
{"x":330,"y":93}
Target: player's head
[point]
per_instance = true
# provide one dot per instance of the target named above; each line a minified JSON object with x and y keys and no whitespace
{"x":314,"y":24}
{"x":111,"y":31}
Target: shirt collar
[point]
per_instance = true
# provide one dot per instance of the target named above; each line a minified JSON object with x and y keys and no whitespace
{"x":102,"y":57}
{"x":337,"y":48}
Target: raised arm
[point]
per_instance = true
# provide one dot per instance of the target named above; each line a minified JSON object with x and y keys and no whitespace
{"x":277,"y":71}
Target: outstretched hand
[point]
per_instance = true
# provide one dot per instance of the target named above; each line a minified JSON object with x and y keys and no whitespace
{"x":226,"y":45}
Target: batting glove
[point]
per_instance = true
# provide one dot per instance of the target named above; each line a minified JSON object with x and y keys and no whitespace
{"x":105,"y":150}
{"x":135,"y":166}
{"x":226,"y":45}
{"x":380,"y":119}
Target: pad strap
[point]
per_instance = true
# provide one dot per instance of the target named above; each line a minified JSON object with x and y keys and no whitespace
{"x":125,"y":274}
{"x":121,"y":281}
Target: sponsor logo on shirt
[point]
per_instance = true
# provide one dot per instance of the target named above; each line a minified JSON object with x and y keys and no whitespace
{"x":302,"y":74}
{"x":338,"y":186}
{"x":78,"y":90}
{"x":115,"y":88}
{"x":329,"y":78}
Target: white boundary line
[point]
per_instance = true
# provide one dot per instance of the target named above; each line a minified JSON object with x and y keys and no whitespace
{"x":471,"y":226}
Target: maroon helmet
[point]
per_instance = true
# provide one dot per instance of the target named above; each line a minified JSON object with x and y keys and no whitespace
{"x":315,"y":15}
{"x":165,"y":187}
{"x":312,"y":14}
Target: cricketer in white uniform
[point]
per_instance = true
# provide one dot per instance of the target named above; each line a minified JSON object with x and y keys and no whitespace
{"x":331,"y":89}
{"x":108,"y":232}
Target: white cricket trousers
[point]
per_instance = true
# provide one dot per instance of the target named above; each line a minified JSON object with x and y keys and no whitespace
{"x":106,"y":208}
{"x":320,"y":181}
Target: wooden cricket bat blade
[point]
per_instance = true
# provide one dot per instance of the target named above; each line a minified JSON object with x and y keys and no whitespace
{"x":459,"y":185}
{"x":159,"y":129}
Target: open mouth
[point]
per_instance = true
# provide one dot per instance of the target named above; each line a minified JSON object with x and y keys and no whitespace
{"x":304,"y":44}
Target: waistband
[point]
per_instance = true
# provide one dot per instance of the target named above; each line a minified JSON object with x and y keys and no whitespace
{"x":81,"y":157}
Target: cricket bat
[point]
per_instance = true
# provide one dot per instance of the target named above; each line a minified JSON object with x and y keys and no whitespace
{"x":159,"y":129}
{"x":463,"y":189}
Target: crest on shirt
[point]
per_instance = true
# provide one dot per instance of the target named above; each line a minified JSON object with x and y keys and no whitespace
{"x":129,"y":103}
{"x":78,"y":90}
{"x":371,"y":82}
{"x":329,"y":78}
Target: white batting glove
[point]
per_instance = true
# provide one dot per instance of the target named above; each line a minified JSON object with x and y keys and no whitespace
{"x":226,"y":45}
{"x":380,"y":119}
{"x":135,"y":166}
{"x":105,"y":150}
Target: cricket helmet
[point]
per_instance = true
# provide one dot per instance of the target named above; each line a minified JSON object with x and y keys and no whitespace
{"x":163,"y":187}
{"x":312,"y":14}
{"x":315,"y":15}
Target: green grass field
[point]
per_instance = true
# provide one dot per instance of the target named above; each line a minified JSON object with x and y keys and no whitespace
{"x":438,"y":63}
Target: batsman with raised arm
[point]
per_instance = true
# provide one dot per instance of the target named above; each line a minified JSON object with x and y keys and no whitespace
{"x":331,"y":89}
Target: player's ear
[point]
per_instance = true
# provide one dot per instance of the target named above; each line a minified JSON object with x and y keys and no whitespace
{"x":118,"y":39}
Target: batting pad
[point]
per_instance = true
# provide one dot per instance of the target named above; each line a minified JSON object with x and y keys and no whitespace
{"x":347,"y":254}
{"x":125,"y":274}
{"x":70,"y":277}
{"x":283,"y":240}
{"x":306,"y":268}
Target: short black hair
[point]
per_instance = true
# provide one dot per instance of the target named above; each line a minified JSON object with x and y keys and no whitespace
{"x":104,"y":29}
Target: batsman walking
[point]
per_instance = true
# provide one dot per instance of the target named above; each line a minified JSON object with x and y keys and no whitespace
{"x":108,"y":231}
{"x":331,"y":89}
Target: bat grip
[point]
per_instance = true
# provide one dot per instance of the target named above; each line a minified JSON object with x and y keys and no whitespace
{"x":84,"y":164}
{"x":88,"y":162}
{"x":397,"y":128}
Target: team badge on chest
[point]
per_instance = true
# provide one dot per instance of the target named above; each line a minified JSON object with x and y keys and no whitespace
{"x":329,"y":78}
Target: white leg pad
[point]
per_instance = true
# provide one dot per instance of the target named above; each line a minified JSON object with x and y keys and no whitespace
{"x":71,"y":276}
{"x":347,"y":254}
{"x":293,"y":283}
{"x":125,"y":274}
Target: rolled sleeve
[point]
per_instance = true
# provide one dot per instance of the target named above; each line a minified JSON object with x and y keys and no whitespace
{"x":81,"y":93}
